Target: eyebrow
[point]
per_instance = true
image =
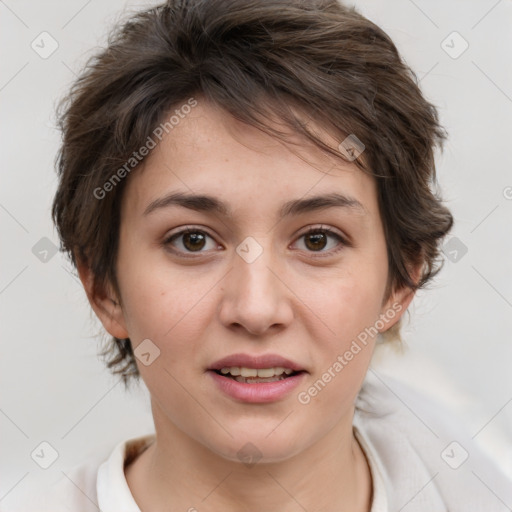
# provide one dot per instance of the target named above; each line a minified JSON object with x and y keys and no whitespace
{"x":210,"y":204}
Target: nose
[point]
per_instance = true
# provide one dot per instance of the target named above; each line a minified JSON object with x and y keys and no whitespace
{"x":255,"y":296}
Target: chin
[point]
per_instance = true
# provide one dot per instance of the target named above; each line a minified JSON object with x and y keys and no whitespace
{"x":252,"y":447}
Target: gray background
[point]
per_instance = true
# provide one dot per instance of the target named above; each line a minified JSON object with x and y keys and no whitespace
{"x":55,"y":389}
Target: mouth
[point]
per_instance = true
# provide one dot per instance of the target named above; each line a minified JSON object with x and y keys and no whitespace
{"x":257,"y":375}
{"x":260,"y":379}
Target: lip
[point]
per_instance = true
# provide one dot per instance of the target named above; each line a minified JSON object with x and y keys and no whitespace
{"x":261,"y":392}
{"x":261,"y":361}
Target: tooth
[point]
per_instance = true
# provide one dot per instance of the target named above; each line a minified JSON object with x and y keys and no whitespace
{"x":266,"y":372}
{"x":248,"y":372}
{"x":257,"y":380}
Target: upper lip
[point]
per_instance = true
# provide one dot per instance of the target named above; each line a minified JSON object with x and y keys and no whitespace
{"x":258,"y":362}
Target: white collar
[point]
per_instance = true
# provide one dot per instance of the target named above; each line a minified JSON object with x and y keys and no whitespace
{"x":112,"y":489}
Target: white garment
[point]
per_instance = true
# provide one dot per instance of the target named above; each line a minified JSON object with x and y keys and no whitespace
{"x":417,"y":459}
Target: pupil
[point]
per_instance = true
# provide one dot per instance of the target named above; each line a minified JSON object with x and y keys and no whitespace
{"x":316,"y":237}
{"x":190,"y":240}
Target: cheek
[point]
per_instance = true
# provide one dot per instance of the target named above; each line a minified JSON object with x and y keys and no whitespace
{"x":158,"y":301}
{"x":164,"y":307}
{"x":350,"y":309}
{"x":349,"y":301}
{"x":359,"y":306}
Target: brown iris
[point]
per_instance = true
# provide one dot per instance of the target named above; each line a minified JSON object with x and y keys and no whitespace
{"x":318,"y":240}
{"x":193,"y":240}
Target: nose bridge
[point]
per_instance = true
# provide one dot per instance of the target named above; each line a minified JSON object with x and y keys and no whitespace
{"x":254,"y":297}
{"x":252,"y":265}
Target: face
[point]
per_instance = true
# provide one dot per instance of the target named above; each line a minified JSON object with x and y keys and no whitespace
{"x":257,"y":271}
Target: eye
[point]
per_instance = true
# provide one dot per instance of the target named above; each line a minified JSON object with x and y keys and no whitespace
{"x":194,"y":240}
{"x":316,"y":239}
{"x":189,"y":240}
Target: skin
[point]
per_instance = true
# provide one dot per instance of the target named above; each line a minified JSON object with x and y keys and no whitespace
{"x":304,"y":301}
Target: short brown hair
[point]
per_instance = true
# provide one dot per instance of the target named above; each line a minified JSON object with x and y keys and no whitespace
{"x":256,"y":59}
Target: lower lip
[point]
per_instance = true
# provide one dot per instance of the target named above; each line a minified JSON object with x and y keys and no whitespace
{"x":259,"y":392}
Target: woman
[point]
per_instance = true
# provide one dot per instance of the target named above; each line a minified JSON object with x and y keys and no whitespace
{"x":247,"y":192}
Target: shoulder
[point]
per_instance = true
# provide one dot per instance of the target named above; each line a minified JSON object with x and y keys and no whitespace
{"x":97,"y":484}
{"x":426,"y":454}
{"x":75,"y":489}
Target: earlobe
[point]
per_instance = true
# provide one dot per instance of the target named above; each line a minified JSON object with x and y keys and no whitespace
{"x":398,"y":302}
{"x":104,"y":303}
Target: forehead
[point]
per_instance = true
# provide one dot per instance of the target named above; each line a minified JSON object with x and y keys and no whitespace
{"x":208,"y":152}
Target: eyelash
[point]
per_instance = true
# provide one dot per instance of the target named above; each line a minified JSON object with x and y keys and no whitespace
{"x":327,"y":231}
{"x":314,"y":230}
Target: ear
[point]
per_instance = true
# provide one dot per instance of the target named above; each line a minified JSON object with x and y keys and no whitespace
{"x":105,"y":303}
{"x":399,"y":301}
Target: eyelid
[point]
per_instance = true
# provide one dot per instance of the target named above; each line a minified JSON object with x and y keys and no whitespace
{"x":344,"y":240}
{"x":168,"y":238}
{"x":323,"y":227}
{"x":187,"y":229}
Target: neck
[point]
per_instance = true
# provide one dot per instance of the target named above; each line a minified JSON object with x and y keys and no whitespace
{"x":331,"y":474}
